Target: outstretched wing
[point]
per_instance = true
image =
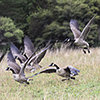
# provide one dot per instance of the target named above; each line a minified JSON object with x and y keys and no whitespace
{"x":28,"y":46}
{"x":40,"y":57}
{"x":29,"y":59}
{"x":75,"y":28}
{"x":12,"y":63}
{"x":16,"y":52}
{"x":87,"y":28}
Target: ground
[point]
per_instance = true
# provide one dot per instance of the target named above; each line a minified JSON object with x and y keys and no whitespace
{"x":49,"y":86}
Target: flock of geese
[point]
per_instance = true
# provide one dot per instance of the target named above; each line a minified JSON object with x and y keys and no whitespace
{"x":29,"y":59}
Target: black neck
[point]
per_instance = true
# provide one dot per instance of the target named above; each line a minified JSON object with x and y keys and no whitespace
{"x":25,"y":56}
{"x":68,"y":70}
{"x":2,"y":57}
{"x":56,"y":66}
{"x":12,"y":71}
{"x":20,"y":60}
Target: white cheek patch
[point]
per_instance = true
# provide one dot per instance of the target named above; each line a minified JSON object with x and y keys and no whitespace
{"x":53,"y":64}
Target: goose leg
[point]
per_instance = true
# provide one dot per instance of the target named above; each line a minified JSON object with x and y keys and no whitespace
{"x":64,"y":79}
{"x":88,"y":50}
{"x":84,"y":51}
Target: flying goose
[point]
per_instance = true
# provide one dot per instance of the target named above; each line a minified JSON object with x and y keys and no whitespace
{"x":79,"y":37}
{"x":29,"y":48}
{"x":17,"y":55}
{"x":67,"y":72}
{"x":18,"y":72}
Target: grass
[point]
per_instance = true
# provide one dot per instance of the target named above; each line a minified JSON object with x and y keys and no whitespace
{"x":49,"y":86}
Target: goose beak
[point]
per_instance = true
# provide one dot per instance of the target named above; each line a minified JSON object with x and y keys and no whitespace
{"x":51,"y":64}
{"x":7,"y":68}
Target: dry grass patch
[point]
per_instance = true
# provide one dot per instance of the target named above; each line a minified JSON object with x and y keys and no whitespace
{"x":49,"y":86}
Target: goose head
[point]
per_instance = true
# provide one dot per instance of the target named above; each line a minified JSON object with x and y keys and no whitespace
{"x":52,"y":64}
{"x":8,"y":68}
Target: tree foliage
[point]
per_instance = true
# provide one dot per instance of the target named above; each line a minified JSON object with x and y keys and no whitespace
{"x":9,"y":32}
{"x":42,"y":20}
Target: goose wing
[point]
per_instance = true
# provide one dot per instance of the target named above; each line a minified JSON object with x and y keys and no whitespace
{"x":12,"y":63}
{"x":87,"y":28}
{"x":40,"y":57}
{"x":75,"y":28}
{"x":29,"y":59}
{"x":10,"y":57}
{"x":73,"y":70}
{"x":48,"y":70}
{"x":37,"y":59}
{"x":16,"y":52}
{"x":28,"y":46}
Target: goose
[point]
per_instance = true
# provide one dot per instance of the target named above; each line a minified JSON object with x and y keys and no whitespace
{"x":17,"y":55}
{"x":18,"y":71}
{"x":79,"y":37}
{"x":67,"y":72}
{"x":28,"y":49}
{"x":34,"y":64}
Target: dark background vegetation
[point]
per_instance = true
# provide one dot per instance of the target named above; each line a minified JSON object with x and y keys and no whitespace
{"x":42,"y":20}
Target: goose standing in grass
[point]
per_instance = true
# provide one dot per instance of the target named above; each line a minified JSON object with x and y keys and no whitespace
{"x":67,"y":72}
{"x":18,"y":72}
{"x":79,"y":37}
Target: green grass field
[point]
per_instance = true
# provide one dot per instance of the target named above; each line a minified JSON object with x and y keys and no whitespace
{"x":49,"y":86}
